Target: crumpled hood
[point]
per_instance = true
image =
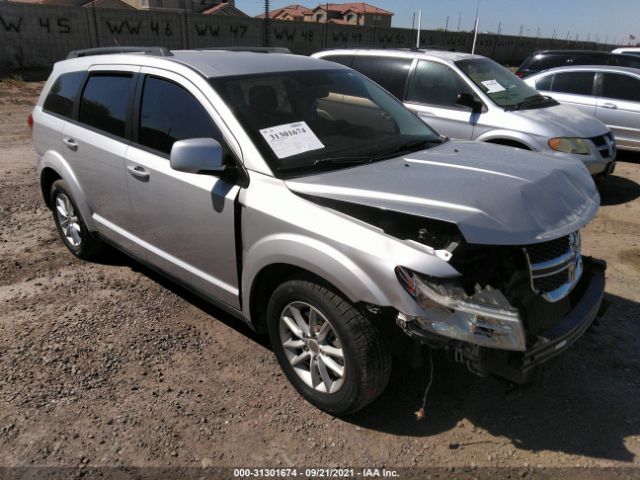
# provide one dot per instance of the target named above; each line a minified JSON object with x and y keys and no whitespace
{"x":495,"y":195}
{"x":562,"y":121}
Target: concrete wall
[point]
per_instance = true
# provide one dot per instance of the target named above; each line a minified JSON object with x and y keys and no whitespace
{"x":39,"y":35}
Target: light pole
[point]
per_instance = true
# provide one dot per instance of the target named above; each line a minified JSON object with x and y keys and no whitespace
{"x":475,"y":32}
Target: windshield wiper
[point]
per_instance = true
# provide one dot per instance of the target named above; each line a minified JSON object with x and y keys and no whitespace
{"x":530,"y":101}
{"x":342,"y":161}
{"x":407,"y":147}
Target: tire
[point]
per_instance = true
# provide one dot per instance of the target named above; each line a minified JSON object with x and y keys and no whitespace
{"x":73,"y":233}
{"x":366,"y":361}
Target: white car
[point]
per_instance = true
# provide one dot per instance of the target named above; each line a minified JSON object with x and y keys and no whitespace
{"x":628,"y":50}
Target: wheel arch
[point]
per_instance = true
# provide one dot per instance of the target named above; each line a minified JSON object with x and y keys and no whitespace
{"x":53,"y":167}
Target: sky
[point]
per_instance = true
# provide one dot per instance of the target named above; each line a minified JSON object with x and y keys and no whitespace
{"x":611,"y":21}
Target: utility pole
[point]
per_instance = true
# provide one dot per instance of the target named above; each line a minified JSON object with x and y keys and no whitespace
{"x":475,"y":29}
{"x":419,"y":26}
{"x":446,"y":25}
{"x":267,"y":18}
{"x":459,"y":19}
{"x":538,"y":33}
{"x":521,"y":29}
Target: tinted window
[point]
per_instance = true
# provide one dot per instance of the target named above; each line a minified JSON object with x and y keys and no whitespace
{"x":63,"y":94}
{"x":545,"y":62}
{"x":346,"y":60}
{"x":588,"y":59}
{"x":390,"y":73}
{"x":169,"y":113}
{"x":625,"y":61}
{"x":544,"y":83}
{"x":105,"y":101}
{"x":621,"y":87}
{"x":436,"y":84}
{"x":579,"y":83}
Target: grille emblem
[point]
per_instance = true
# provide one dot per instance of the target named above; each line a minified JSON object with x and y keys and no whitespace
{"x":571,"y":272}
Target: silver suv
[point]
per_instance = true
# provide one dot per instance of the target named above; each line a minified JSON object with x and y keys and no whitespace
{"x":305,"y":200}
{"x":470,"y":97}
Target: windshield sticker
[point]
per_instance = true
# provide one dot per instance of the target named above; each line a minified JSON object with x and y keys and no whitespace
{"x":291,"y":139}
{"x":493,"y":86}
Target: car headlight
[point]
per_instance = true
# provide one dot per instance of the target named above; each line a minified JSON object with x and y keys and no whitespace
{"x":569,"y":145}
{"x":485,"y":318}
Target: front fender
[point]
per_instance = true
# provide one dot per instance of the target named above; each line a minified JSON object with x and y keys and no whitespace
{"x":510,"y":135}
{"x":57,"y":163}
{"x":316,"y":257}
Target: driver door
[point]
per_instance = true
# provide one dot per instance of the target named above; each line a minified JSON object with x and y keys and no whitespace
{"x":183,"y":222}
{"x":433,"y":94}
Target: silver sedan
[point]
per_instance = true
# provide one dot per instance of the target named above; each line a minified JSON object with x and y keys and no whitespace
{"x":609,"y":93}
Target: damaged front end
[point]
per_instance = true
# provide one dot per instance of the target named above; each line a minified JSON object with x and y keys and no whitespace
{"x":513,"y":307}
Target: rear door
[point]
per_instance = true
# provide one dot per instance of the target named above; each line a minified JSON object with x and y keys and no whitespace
{"x":618,"y":107}
{"x":576,"y":89}
{"x":184,"y":223}
{"x":96,"y":142}
{"x":433,"y":95}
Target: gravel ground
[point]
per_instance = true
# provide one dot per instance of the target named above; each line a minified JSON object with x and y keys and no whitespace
{"x":109,"y":365}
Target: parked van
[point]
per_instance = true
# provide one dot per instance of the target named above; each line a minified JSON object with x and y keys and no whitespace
{"x":470,"y":97}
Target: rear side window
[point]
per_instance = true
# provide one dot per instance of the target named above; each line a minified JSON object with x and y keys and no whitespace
{"x":63,"y":94}
{"x":620,"y":87}
{"x":436,"y":84}
{"x":589,"y":59}
{"x":345,"y":60}
{"x":625,"y":61}
{"x":578,"y":83}
{"x":169,"y":113}
{"x":105,"y":102}
{"x":390,"y":73}
{"x":544,"y":83}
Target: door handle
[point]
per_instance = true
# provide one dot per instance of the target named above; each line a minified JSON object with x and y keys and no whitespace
{"x":138,"y":172}
{"x":71,"y":143}
{"x":610,"y":106}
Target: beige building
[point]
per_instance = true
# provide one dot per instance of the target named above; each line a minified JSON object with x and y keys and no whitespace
{"x":359,"y":13}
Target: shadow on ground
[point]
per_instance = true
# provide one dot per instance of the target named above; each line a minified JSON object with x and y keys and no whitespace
{"x":587,"y":402}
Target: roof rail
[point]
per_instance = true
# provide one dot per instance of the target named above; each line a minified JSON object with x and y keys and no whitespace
{"x":250,"y":49}
{"x":158,"y":51}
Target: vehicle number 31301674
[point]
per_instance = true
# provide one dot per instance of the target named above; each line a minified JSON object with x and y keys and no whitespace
{"x":293,"y":132}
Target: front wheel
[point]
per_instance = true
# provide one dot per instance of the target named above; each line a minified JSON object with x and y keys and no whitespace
{"x":331,"y":353}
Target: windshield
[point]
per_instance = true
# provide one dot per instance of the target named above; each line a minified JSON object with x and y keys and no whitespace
{"x":306,"y":121}
{"x":498,"y":83}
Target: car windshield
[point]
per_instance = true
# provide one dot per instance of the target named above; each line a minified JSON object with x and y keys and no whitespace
{"x":307,"y":121}
{"x":499,"y":84}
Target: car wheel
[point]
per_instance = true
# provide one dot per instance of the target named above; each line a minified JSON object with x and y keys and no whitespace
{"x":71,"y":227}
{"x":331,"y":353}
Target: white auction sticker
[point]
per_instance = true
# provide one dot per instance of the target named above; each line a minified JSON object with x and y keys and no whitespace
{"x":291,"y":139}
{"x":493,"y":86}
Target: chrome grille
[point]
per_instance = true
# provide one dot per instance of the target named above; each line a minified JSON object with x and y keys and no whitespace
{"x":555,"y":266}
{"x":605,"y":144}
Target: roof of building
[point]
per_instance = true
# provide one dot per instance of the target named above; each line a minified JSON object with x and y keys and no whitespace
{"x":359,"y":8}
{"x":108,"y":4}
{"x":296,"y":11}
{"x":224,"y":9}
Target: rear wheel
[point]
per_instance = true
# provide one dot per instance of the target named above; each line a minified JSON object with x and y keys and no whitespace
{"x":71,"y":227}
{"x":331,"y":353}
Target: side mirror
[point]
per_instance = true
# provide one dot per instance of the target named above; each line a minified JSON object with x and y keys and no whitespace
{"x":467,"y":100}
{"x":197,"y":155}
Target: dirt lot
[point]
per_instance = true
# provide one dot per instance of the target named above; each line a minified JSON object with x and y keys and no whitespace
{"x":108,"y":364}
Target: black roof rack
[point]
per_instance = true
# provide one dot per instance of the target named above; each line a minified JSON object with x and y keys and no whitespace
{"x":250,"y":49}
{"x":158,"y":51}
